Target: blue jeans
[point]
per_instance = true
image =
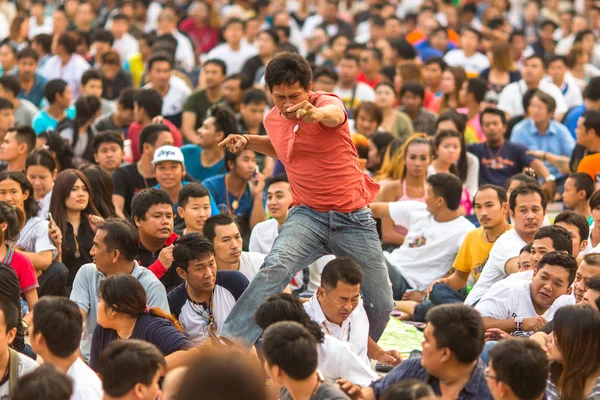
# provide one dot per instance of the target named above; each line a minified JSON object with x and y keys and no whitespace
{"x":440,"y":294}
{"x":485,"y":354}
{"x":306,"y":236}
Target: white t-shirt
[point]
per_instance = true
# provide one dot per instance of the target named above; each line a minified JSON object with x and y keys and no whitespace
{"x":506,"y":247}
{"x":176,"y":96}
{"x":70,"y":73}
{"x":26,"y":365}
{"x":126,"y":46}
{"x":339,"y":360}
{"x":363,"y":92}
{"x":233,"y":59}
{"x":429,"y":248}
{"x":472,"y":65}
{"x":570,"y":90}
{"x":250,"y":263}
{"x":86,"y":384}
{"x":511,"y":97}
{"x":513,"y":299}
{"x":35,"y":29}
{"x":184,"y":54}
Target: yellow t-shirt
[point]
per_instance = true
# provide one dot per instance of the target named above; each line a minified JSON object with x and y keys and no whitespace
{"x":473,"y":253}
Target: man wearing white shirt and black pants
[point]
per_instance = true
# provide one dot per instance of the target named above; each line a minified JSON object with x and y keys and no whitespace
{"x":339,"y":311}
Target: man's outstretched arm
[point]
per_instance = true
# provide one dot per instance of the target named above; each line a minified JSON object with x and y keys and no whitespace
{"x":258,"y":143}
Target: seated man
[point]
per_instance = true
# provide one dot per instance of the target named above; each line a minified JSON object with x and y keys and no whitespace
{"x":194,"y":206}
{"x":337,"y":308}
{"x":454,"y":339}
{"x":518,"y":369}
{"x":491,"y":209}
{"x":592,"y":296}
{"x":435,"y":233}
{"x":522,"y":308}
{"x":108,"y":150}
{"x":579,"y":187}
{"x":578,"y":225}
{"x":114,"y":252}
{"x":55,"y":335}
{"x":16,"y":146}
{"x":224,"y":233}
{"x":91,"y":85}
{"x":120,"y":119}
{"x":131,"y":369}
{"x":203,"y":302}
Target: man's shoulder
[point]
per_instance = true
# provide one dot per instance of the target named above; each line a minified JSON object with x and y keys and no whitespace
{"x":26,"y":364}
{"x":522,"y":127}
{"x":144,"y":276}
{"x":214,"y":180}
{"x":191,"y":150}
{"x":410,"y":368}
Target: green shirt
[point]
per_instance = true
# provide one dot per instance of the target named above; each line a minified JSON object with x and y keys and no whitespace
{"x":199,"y":104}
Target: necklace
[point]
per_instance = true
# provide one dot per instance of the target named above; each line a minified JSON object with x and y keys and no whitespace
{"x":207,"y":314}
{"x":319,"y":380}
{"x":493,"y":241}
{"x":236,"y":202}
{"x":341,"y":333}
{"x":494,"y":164}
{"x":77,"y":253}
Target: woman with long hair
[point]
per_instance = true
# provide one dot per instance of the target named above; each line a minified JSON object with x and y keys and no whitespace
{"x":580,"y":67}
{"x":102,"y":186}
{"x":19,"y":32}
{"x":501,"y":72}
{"x":123,"y":313}
{"x":394,"y":120}
{"x":78,"y":132}
{"x":388,"y":171}
{"x":367,"y":117}
{"x":378,"y":145}
{"x":574,"y":354}
{"x":73,"y":212}
{"x":41,"y":171}
{"x":8,"y":59}
{"x":452,"y":81}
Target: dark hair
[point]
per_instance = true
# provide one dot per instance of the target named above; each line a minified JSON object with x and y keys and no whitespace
{"x":560,"y":259}
{"x":594,"y":284}
{"x":581,"y":34}
{"x":478,"y":88}
{"x":192,"y":189}
{"x":536,"y":57}
{"x":526,"y":248}
{"x":149,"y":38}
{"x":439,"y":61}
{"x":410,"y":389}
{"x":25,"y":134}
{"x":459,"y":120}
{"x":459,"y":328}
{"x":493,"y":111}
{"x":403,"y":49}
{"x":545,"y":98}
{"x":584,"y":182}
{"x":90,"y":75}
{"x":254,"y":96}
{"x":150,"y":133}
{"x":11,"y":83}
{"x":286,"y":307}
{"x":414,"y":88}
{"x":151,"y":101}
{"x":447,"y":186}
{"x":159,"y":57}
{"x":528,"y":177}
{"x":522,"y":365}
{"x":350,"y":57}
{"x":370,"y":108}
{"x":107,"y":137}
{"x":276,"y":179}
{"x":141,"y":202}
{"x":189,"y":247}
{"x":271,"y":33}
{"x":62,"y":150}
{"x":381,"y":141}
{"x":210,"y":226}
{"x":292,"y":348}
{"x":472,"y":30}
{"x":127,"y":98}
{"x":592,"y":89}
{"x":86,"y":108}
{"x":6,"y":104}
{"x":59,"y":322}
{"x":102,"y":35}
{"x":341,"y":269}
{"x":232,"y":21}
{"x":575,"y":219}
{"x":498,"y":189}
{"x":218,"y":63}
{"x":591,"y":120}
{"x":595,"y":200}
{"x":30,"y":206}
{"x":28,"y":52}
{"x":54,"y":88}
{"x":576,"y":332}
{"x":68,"y":41}
{"x":44,"y":40}
{"x":103,"y":188}
{"x":225,"y":120}
{"x":562,"y":240}
{"x":120,"y":235}
{"x":592,"y":259}
{"x":459,"y":170}
{"x":45,"y":382}
{"x":288,"y":69}
{"x":126,"y":363}
{"x":525,"y":189}
{"x":10,"y":311}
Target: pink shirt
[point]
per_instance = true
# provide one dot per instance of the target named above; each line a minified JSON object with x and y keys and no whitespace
{"x":321,"y":162}
{"x":133,"y":133}
{"x":23,"y":269}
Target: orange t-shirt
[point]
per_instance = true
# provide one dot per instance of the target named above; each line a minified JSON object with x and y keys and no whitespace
{"x":591,"y":166}
{"x":321,"y":162}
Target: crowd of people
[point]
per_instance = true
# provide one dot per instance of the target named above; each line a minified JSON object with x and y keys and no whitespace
{"x":194,"y":193}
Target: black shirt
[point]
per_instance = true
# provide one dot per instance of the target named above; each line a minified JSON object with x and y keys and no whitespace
{"x":128,"y":181}
{"x":251,"y":67}
{"x":84,"y":242}
{"x":146,"y":258}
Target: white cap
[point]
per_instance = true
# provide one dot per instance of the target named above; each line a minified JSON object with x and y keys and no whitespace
{"x":168,"y":153}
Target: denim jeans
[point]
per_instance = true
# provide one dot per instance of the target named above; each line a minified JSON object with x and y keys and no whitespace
{"x":440,"y":294}
{"x":399,"y":284}
{"x":306,"y":236}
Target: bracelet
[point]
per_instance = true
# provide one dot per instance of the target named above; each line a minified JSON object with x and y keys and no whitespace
{"x":247,"y":141}
{"x":378,"y":353}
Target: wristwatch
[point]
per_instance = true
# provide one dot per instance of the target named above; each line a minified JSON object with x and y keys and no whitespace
{"x":550,"y":178}
{"x":518,"y":322}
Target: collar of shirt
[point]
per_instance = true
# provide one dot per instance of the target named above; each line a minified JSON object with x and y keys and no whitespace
{"x":532,"y":128}
{"x":475,"y":388}
{"x":319,"y":317}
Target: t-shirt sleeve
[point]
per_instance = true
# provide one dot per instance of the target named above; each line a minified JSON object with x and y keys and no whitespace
{"x":27,"y":277}
{"x":521,"y":152}
{"x":589,"y":165}
{"x":323,"y":100}
{"x":177,"y":298}
{"x":505,"y":102}
{"x":190,"y":104}
{"x":402,"y":211}
{"x":157,"y":296}
{"x":98,"y":344}
{"x":80,"y":293}
{"x":120,"y":183}
{"x":462,"y":262}
{"x":399,"y":373}
{"x":234,"y":281}
{"x":166,"y":337}
{"x":497,"y":302}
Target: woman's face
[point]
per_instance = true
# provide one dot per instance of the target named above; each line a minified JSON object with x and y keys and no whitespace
{"x":449,"y":150}
{"x":78,"y":198}
{"x":103,"y":319}
{"x":448,"y":84}
{"x":418,"y":158}
{"x":385,"y":97}
{"x":365,"y":124}
{"x":11,"y":192}
{"x":41,"y":179}
{"x":373,"y":161}
{"x":554,"y":353}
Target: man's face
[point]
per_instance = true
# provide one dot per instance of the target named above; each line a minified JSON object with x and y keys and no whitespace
{"x":548,"y":284}
{"x":571,"y":197}
{"x":279,"y":198}
{"x":529,"y":213}
{"x":125,"y":115}
{"x":439,"y":41}
{"x":538,"y":249}
{"x":432,"y":74}
{"x":119,"y":28}
{"x":368,"y":62}
{"x":488,"y":209}
{"x":64,"y":99}
{"x":233,"y":34}
{"x":93,"y":87}
{"x":431,"y":357}
{"x":533,"y":71}
{"x":538,"y":111}
{"x":6,"y":337}
{"x":195,"y":213}
{"x":228,"y":244}
{"x":201,"y":274}
{"x":265,"y":44}
{"x":26,"y":67}
{"x":7,"y":119}
{"x":585,"y":272}
{"x":109,"y":156}
{"x":245,"y":164}
{"x":286,"y":96}
{"x":557,"y":70}
{"x":11,"y":192}
{"x":153,"y":391}
{"x":253,"y":114}
{"x":524,"y":262}
{"x":213,"y":75}
{"x":411,"y":102}
{"x":232,"y":92}
{"x":207,"y":135}
{"x":347,"y":71}
{"x":578,"y":244}
{"x":158,"y":222}
{"x":590,"y":297}
{"x":10,"y":149}
{"x":469,"y":42}
{"x":101,"y":48}
{"x":169,"y":174}
{"x":338,"y":303}
{"x":493,"y":128}
{"x":59,"y":22}
{"x":160,"y":73}
{"x":101,"y":256}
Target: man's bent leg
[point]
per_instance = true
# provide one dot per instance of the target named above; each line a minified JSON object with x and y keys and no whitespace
{"x":301,"y":241}
{"x":355,"y":235}
{"x":399,"y":284}
{"x":53,"y":281}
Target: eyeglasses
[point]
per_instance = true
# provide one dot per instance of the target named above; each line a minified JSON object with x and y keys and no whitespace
{"x":488,"y":375}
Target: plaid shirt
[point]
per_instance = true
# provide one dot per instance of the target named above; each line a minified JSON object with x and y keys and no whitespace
{"x":425,"y":122}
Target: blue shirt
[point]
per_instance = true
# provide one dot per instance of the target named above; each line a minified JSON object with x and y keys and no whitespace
{"x":43,"y":121}
{"x":570,"y":120}
{"x":224,"y":199}
{"x":476,"y":387}
{"x":214,"y":210}
{"x":193,"y":166}
{"x":36,"y":95}
{"x":557,"y":140}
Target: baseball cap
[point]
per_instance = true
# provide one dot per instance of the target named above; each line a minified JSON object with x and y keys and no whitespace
{"x":167,"y":153}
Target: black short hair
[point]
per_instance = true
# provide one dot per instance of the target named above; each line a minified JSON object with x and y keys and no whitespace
{"x":10,"y":313}
{"x":125,"y":363}
{"x":536,"y":57}
{"x":584,"y":182}
{"x":447,"y":186}
{"x":592,"y":89}
{"x":45,"y":382}
{"x":149,"y":38}
{"x":525,"y":189}
{"x":121,"y":17}
{"x":459,"y":328}
{"x":147,"y":198}
{"x":254,"y":96}
{"x":478,"y":88}
{"x":595,"y":200}
{"x":594,"y":284}
{"x":27,"y":52}
{"x":493,"y":111}
{"x":562,"y":240}
{"x":127,"y":98}
{"x":107,"y":137}
{"x":413,"y":87}
{"x":218,"y":63}
{"x":149,"y":134}
{"x":500,"y":191}
{"x":159,"y":57}
{"x":292,"y":348}
{"x":210,"y":226}
{"x":288,"y":69}
{"x":439,"y":61}
{"x":528,"y":176}
{"x":271,"y":33}
{"x":225,"y":120}
{"x":276,"y":179}
{"x":103,"y":36}
{"x":472,"y":30}
{"x":560,"y":259}
{"x":192,"y":189}
{"x":189,"y":247}
{"x":575,"y":219}
{"x":522,"y":365}
{"x":59,"y":322}
{"x":69,"y":41}
{"x":341,"y":269}
{"x":591,"y":120}
{"x":6,"y":104}
{"x":325,"y":71}
{"x":121,"y":235}
{"x":151,"y":101}
{"x":54,"y":88}
{"x":44,"y":40}
{"x":403,"y":49}
{"x":25,"y":134}
{"x":89,"y":75}
{"x":232,"y":21}
{"x":11,"y":83}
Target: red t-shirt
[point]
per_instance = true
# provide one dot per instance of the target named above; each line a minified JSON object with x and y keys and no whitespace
{"x":133,"y":133}
{"x":23,"y":268}
{"x":321,"y":162}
